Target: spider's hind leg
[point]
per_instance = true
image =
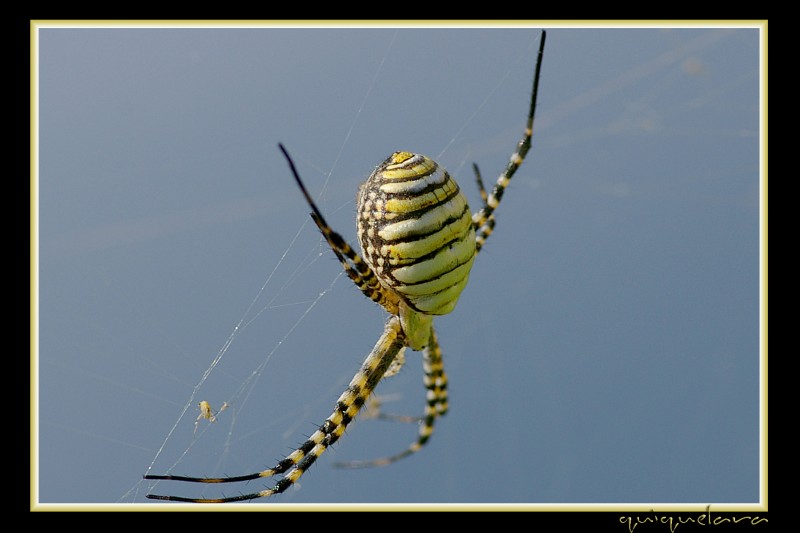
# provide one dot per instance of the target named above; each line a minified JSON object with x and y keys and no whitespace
{"x":355,"y":267}
{"x":483,"y":219}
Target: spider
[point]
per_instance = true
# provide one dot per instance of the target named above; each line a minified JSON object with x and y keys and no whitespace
{"x":419,"y":241}
{"x":206,"y":412}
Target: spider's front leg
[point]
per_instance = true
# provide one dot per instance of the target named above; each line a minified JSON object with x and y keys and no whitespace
{"x":388,"y":347}
{"x":435,"y":381}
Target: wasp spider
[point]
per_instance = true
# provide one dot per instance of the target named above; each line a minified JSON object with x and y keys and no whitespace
{"x":418,"y":240}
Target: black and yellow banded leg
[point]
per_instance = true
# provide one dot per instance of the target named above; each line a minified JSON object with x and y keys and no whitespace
{"x":299,"y":461}
{"x":482,"y":233}
{"x":355,"y":267}
{"x":436,"y":405}
{"x":484,"y":218}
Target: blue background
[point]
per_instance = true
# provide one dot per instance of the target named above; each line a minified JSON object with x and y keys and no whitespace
{"x":606,"y":349}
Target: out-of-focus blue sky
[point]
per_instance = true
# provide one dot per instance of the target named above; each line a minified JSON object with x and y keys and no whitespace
{"x":606,"y":349}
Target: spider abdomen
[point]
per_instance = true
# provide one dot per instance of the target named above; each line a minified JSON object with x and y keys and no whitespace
{"x":416,"y":232}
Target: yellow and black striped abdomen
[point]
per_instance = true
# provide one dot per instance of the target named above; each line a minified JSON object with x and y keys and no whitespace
{"x":416,"y":232}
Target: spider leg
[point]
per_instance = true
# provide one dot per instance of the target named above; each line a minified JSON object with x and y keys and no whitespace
{"x":488,"y":226}
{"x":435,"y":381}
{"x":484,"y":219}
{"x":391,"y":342}
{"x":355,"y":267}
